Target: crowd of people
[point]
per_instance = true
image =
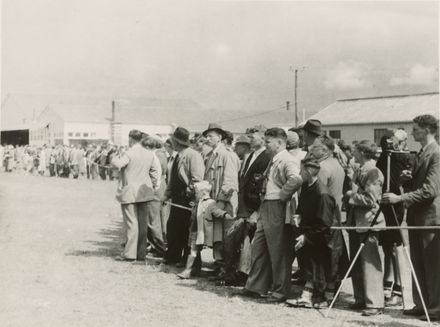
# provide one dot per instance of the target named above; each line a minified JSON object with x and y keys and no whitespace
{"x":76,"y":161}
{"x":271,"y":197}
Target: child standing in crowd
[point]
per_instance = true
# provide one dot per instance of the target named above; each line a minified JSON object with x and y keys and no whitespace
{"x":201,"y":230}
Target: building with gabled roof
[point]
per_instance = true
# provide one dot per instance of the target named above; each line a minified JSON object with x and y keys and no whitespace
{"x":370,"y":118}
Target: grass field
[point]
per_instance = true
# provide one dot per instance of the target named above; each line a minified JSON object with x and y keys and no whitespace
{"x":58,"y":239}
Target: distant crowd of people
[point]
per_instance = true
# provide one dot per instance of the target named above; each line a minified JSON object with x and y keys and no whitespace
{"x":75,"y":161}
{"x":270,"y":197}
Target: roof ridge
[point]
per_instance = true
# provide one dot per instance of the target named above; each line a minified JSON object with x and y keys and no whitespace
{"x":388,"y":96}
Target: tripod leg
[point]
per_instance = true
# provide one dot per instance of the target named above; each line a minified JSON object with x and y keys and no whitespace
{"x":345,"y":278}
{"x":399,"y":272}
{"x":413,"y":272}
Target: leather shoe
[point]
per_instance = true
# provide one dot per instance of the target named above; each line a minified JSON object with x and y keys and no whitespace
{"x":372,"y":312}
{"x":356,"y":306}
{"x":413,"y":312}
{"x":249,"y":294}
{"x":273,"y":299}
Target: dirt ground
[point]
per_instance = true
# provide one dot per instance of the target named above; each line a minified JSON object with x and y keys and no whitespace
{"x":58,"y":239}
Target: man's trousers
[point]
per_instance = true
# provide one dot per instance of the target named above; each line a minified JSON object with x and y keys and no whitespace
{"x":142,"y":222}
{"x":367,"y":277}
{"x":178,"y":224}
{"x":425,"y":256}
{"x":271,"y":266}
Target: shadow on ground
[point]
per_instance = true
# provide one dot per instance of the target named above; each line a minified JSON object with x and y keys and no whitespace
{"x":109,"y":244}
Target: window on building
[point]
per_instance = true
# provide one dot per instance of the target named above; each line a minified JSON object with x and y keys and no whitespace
{"x":85,"y":134}
{"x":378,"y":133}
{"x":77,"y":134}
{"x":335,"y":134}
{"x":68,"y":134}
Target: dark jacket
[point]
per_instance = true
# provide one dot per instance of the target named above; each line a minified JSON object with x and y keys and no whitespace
{"x":250,"y":184}
{"x":423,"y":198}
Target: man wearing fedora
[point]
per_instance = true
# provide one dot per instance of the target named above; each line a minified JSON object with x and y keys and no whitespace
{"x":140,"y":178}
{"x":186,"y":170}
{"x":311,"y":131}
{"x":222,"y":172}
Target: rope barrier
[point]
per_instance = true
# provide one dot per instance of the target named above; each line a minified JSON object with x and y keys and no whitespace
{"x":385,"y":228}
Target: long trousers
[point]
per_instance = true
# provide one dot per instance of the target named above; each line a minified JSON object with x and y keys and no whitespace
{"x":425,"y":251}
{"x":141,"y":224}
{"x":367,"y":272}
{"x":177,"y":234}
{"x":271,"y":266}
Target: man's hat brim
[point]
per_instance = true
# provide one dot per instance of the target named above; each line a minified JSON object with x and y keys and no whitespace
{"x":218,"y":130}
{"x":181,"y":142}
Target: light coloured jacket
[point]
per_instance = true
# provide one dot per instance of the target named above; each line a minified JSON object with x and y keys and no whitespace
{"x":423,"y":198}
{"x":285,"y":174}
{"x":190,"y":169}
{"x":140,"y":175}
{"x":365,"y":201}
{"x":222,"y":172}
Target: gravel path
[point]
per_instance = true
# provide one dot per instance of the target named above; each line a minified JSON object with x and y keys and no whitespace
{"x":58,"y":238}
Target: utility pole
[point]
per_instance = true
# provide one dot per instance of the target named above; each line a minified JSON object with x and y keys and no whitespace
{"x":296,"y":70}
{"x":296,"y":97}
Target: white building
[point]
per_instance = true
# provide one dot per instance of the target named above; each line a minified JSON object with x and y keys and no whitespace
{"x":72,"y":124}
{"x":369,"y":118}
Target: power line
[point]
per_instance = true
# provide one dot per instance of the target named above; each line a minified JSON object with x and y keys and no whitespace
{"x":251,"y":116}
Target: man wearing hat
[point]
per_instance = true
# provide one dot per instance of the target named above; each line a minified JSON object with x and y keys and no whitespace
{"x":242,"y":149}
{"x":187,"y":169}
{"x":222,"y":172}
{"x":311,"y":130}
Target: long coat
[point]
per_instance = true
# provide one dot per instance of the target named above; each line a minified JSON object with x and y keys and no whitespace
{"x":202,"y":222}
{"x":221,"y":172}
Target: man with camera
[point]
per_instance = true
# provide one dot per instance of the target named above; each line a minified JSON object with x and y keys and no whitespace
{"x":423,"y":202}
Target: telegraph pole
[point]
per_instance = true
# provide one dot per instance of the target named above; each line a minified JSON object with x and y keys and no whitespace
{"x":296,"y":97}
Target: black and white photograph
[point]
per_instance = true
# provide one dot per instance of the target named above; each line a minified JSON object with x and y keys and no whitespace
{"x":219,"y":163}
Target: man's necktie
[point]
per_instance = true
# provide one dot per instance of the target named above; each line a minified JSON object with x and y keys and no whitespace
{"x":247,"y":163}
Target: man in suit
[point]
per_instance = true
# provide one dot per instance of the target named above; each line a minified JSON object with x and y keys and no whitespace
{"x":251,"y":171}
{"x":186,"y":170}
{"x":271,"y":266}
{"x":140,"y":178}
{"x":423,"y":202}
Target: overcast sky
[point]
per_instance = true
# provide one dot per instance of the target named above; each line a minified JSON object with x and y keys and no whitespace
{"x":223,"y":54}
